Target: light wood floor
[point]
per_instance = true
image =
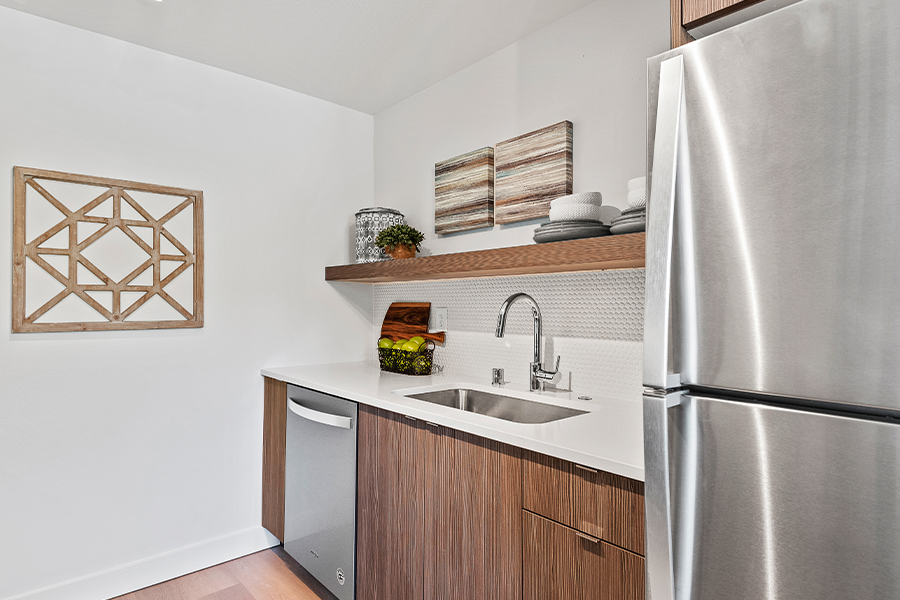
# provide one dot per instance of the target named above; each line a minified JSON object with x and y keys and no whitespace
{"x":267,"y":575}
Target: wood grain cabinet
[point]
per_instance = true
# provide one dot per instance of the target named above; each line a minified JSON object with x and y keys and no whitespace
{"x":600,"y":504}
{"x":583,"y":532}
{"x":691,"y":13}
{"x":439,"y":512}
{"x":274,"y":433}
{"x":561,"y":563}
{"x":695,"y":12}
{"x":445,"y":515}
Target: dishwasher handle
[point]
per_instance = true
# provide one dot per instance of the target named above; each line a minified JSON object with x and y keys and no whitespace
{"x":319,"y":417}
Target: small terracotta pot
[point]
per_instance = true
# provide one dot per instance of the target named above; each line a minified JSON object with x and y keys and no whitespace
{"x":402,"y":252}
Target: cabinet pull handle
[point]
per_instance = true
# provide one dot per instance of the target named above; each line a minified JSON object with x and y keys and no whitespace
{"x":587,"y":537}
{"x":413,"y":419}
{"x":593,"y":471}
{"x":430,"y":424}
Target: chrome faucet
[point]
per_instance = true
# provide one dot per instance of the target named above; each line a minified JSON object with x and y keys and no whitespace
{"x":536,"y":372}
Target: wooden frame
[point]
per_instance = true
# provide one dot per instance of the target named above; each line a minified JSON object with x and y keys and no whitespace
{"x":117,"y":190}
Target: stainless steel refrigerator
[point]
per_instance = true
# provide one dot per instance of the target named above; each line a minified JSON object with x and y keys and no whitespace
{"x":772,"y":325}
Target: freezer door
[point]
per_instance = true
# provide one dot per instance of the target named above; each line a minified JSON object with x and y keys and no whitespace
{"x":771,"y":502}
{"x":786,"y":250}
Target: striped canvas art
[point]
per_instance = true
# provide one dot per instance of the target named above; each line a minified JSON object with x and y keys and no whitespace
{"x":532,"y":170}
{"x":464,"y":192}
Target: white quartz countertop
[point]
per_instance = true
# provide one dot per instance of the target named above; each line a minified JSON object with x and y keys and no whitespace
{"x":608,"y":437}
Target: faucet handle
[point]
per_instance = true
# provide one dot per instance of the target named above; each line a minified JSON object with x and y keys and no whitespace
{"x":551,"y":376}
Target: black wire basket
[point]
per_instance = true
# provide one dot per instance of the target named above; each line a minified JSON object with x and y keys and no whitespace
{"x":395,"y":360}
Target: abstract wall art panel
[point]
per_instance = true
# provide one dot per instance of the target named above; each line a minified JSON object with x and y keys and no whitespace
{"x":92,"y":254}
{"x":464,"y":192}
{"x":532,"y":170}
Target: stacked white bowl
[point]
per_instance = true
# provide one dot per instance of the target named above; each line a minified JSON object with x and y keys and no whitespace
{"x":577,"y":207}
{"x":634,"y":218}
{"x":637,"y":192}
{"x":573,"y":217}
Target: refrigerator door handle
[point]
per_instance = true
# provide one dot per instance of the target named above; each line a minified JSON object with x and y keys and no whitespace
{"x":660,"y":227}
{"x":659,"y":567}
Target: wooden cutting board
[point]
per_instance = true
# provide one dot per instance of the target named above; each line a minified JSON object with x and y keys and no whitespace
{"x":404,"y":320}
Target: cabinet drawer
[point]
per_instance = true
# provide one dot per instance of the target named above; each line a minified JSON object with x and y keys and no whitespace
{"x":561,"y":563}
{"x":610,"y":507}
{"x":601,"y":504}
{"x":548,"y":487}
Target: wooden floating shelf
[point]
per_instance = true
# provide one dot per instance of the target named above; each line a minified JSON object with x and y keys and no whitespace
{"x":591,"y":254}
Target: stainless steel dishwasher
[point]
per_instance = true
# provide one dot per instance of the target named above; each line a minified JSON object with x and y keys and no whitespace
{"x":320,"y":487}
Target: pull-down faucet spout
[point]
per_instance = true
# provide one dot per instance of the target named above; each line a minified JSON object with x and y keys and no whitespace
{"x":537,"y":373}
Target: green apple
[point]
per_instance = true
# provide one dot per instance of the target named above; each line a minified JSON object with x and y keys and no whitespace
{"x":399,"y":344}
{"x":410,"y":346}
{"x":385,"y":343}
{"x":419,"y":340}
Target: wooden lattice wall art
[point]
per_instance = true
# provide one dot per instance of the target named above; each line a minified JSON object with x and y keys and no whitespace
{"x":92,"y":254}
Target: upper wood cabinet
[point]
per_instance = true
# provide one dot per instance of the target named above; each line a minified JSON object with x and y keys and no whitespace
{"x":695,"y":12}
{"x":690,"y":13}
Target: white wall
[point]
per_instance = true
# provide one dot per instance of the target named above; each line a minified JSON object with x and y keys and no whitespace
{"x":116,"y":447}
{"x":588,"y":67}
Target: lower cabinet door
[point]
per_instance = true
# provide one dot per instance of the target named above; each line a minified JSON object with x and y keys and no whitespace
{"x":560,"y":563}
{"x":439,"y":513}
{"x":473,"y":512}
{"x":390,"y":489}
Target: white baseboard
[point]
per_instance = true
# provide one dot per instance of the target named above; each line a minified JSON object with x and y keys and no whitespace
{"x":155,"y":569}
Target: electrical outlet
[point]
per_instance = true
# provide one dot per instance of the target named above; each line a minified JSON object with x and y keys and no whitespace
{"x":440,"y":319}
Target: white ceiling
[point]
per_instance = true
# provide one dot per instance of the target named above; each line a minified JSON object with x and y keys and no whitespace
{"x":364,"y":54}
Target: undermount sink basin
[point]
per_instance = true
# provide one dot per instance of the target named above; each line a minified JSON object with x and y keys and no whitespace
{"x":497,"y":406}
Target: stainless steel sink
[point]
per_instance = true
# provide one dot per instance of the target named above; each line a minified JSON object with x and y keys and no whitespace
{"x":497,"y":406}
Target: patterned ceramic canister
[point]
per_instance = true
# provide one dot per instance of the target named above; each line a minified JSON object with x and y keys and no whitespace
{"x":369,"y":223}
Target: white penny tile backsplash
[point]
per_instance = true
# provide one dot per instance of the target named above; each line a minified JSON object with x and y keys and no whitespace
{"x":594,"y":321}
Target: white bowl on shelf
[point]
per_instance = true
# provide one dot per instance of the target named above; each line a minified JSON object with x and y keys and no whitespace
{"x":637,"y":198}
{"x":593,"y":198}
{"x":576,"y":212}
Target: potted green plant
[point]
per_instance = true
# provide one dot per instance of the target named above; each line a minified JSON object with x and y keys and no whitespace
{"x":400,"y":241}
